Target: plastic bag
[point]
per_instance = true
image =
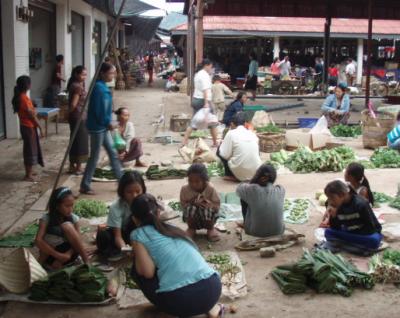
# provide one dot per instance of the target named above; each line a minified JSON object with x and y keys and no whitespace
{"x":197,"y":151}
{"x":119,"y":142}
{"x":203,"y":119}
{"x":321,"y":127}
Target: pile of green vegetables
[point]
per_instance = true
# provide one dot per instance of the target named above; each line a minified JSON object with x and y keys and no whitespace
{"x":215,"y":169}
{"x":199,"y":134}
{"x":386,"y":158}
{"x":304,"y":160}
{"x":296,"y":211}
{"x":175,"y":206}
{"x":155,"y":173}
{"x":346,"y":131}
{"x":270,"y":128}
{"x":385,"y":269}
{"x":381,"y":197}
{"x":88,"y":208}
{"x":83,"y":283}
{"x":104,"y":174}
{"x":395,"y":203}
{"x":322,"y":271}
{"x":224,"y":266}
{"x":24,"y":239}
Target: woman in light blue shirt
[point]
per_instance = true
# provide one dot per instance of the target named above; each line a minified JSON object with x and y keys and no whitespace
{"x":337,"y":106}
{"x":168,"y":267}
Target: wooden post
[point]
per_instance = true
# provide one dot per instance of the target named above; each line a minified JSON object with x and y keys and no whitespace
{"x":327,"y":43}
{"x":199,"y":31}
{"x":369,"y":53}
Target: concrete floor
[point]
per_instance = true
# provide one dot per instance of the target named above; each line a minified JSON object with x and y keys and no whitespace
{"x":264,"y":298}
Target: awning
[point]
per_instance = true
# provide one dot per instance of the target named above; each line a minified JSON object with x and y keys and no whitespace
{"x":132,"y":7}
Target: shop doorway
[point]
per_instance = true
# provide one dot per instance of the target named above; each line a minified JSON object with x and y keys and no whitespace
{"x":97,"y":36}
{"x":78,"y":39}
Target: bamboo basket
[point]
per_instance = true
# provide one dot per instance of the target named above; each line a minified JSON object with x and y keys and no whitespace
{"x":375,"y":130}
{"x":178,"y":123}
{"x":271,"y":142}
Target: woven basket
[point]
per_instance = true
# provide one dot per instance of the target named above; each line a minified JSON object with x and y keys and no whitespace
{"x":271,"y":142}
{"x":375,"y":130}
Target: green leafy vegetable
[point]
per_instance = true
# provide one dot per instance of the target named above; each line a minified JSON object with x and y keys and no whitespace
{"x":386,"y":158}
{"x":380,"y":197}
{"x":270,"y":128}
{"x":175,"y":205}
{"x":155,"y":173}
{"x":395,"y":203}
{"x":215,"y":169}
{"x":346,"y":131}
{"x":199,"y":134}
{"x":87,"y":208}
{"x":392,"y":255}
{"x":24,"y":239}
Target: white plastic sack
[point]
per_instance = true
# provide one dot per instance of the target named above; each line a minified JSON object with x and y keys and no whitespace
{"x":262,"y":119}
{"x":321,"y":127}
{"x":203,"y":119}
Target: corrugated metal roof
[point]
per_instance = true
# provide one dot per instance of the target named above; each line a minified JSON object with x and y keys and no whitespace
{"x":301,"y":25}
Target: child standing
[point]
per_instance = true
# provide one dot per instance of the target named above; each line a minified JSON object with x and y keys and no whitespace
{"x":353,"y":225}
{"x":58,"y":238}
{"x":355,"y":176}
{"x":200,"y":202}
{"x":219,"y":90}
{"x":262,"y":203}
{"x":112,"y":238}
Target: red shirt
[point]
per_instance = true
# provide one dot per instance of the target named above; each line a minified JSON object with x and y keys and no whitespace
{"x":25,"y":107}
{"x":275,"y":69}
{"x":333,"y":71}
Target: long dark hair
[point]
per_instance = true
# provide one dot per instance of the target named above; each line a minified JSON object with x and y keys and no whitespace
{"x":104,"y":68}
{"x":200,"y":170}
{"x":145,"y":209}
{"x":76,"y":71}
{"x":58,"y":195}
{"x":22,"y":86}
{"x":119,"y":111}
{"x":267,"y":171}
{"x":357,"y":171}
{"x":130,"y":177}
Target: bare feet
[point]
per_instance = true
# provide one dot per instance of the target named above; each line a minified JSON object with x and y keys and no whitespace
{"x":212,"y":235}
{"x":240,"y":225}
{"x":29,"y":179}
{"x":140,"y":164}
{"x":217,"y":311}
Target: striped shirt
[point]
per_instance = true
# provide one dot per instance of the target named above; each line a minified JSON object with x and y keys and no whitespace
{"x":394,"y":134}
{"x":356,"y":217}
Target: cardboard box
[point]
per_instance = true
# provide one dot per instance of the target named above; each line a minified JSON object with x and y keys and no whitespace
{"x":303,"y":137}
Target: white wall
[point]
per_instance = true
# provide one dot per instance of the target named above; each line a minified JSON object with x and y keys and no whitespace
{"x":15,"y":58}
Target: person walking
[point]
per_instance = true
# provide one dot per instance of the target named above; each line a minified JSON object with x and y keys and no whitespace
{"x":150,"y":68}
{"x":285,"y":67}
{"x":99,"y":126}
{"x":252,"y":79}
{"x":350,"y":72}
{"x":29,"y":125}
{"x":202,"y":97}
{"x":76,"y":98}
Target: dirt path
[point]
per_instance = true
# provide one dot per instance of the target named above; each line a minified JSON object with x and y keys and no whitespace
{"x":264,"y":298}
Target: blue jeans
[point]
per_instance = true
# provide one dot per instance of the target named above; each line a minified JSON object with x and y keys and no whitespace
{"x":96,"y":141}
{"x":395,"y":145}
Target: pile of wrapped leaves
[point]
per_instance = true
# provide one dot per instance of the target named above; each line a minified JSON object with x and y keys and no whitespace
{"x":75,"y":284}
{"x":304,"y":160}
{"x":322,"y":271}
{"x":155,"y":173}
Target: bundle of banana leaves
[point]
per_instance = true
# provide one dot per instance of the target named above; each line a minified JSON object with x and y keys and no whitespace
{"x":81,"y":283}
{"x":155,"y":173}
{"x":322,"y":271}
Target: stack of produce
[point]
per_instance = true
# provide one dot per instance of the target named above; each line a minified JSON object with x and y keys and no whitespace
{"x":321,"y":197}
{"x":296,"y":211}
{"x":175,"y":206}
{"x":155,"y":173}
{"x":322,"y":271}
{"x":304,"y":160}
{"x":270,"y":128}
{"x":104,"y":174}
{"x":199,"y":134}
{"x":82,"y":283}
{"x":395,"y":203}
{"x":87,"y":208}
{"x":346,"y":131}
{"x":215,"y":169}
{"x":386,"y":158}
{"x":386,"y":268}
{"x":23,"y":239}
{"x":381,"y":197}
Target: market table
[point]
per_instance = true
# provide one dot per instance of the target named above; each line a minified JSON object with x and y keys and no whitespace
{"x":46,"y":114}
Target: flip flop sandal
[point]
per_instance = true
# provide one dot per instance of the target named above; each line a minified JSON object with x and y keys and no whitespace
{"x":221,"y":310}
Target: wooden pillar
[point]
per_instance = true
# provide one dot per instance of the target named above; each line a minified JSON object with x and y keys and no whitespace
{"x":369,"y":54}
{"x":327,"y":43}
{"x":199,"y":31}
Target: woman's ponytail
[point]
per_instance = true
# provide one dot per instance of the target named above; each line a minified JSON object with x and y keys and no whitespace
{"x":365,"y":183}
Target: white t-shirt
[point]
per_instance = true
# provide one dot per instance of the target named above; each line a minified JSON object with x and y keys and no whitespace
{"x":350,"y":69}
{"x":202,"y":82}
{"x":240,"y":147}
{"x":285,"y":67}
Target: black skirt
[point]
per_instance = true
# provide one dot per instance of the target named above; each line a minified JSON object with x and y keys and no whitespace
{"x":32,"y":151}
{"x":251,"y":83}
{"x":80,"y":147}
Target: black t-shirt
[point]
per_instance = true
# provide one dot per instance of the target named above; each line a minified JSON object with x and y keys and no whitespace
{"x":356,"y":217}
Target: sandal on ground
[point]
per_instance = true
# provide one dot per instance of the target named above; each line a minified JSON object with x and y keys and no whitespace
{"x":221,"y":312}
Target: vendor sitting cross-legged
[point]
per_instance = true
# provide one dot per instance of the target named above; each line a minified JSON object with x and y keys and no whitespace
{"x":353,"y":225}
{"x":58,"y":238}
{"x":239,"y":151}
{"x":337,"y":106}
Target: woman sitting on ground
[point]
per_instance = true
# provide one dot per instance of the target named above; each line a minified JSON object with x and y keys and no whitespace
{"x":262,"y":203}
{"x":200,"y":202}
{"x":353,"y":225}
{"x":169,"y":268}
{"x":394,"y":135}
{"x":355,"y":176}
{"x":111,"y":239}
{"x":58,"y":238}
{"x":133,"y":149}
{"x":235,"y":107}
{"x":337,"y":106}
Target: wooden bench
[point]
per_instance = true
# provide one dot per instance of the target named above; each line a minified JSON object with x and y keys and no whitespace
{"x":46,"y":114}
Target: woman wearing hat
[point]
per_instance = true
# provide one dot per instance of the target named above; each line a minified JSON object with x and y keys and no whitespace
{"x":337,"y":106}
